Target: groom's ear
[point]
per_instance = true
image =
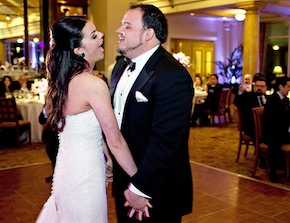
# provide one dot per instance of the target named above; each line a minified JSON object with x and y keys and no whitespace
{"x":149,"y":34}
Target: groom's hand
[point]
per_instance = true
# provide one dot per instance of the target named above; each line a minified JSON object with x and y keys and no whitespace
{"x":138,"y":203}
{"x":135,"y":201}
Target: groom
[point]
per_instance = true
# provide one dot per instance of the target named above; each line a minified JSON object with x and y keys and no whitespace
{"x":152,"y":96}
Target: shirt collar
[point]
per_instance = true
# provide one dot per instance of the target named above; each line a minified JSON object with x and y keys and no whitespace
{"x":142,"y":59}
{"x":280,"y":95}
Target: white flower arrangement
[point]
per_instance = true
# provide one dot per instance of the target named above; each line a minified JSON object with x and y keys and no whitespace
{"x":182,"y":58}
{"x":39,"y":86}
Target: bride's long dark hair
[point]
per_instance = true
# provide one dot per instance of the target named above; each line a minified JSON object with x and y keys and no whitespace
{"x":63,"y":64}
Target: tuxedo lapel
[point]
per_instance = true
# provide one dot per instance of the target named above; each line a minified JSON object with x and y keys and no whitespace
{"x":146,"y":73}
{"x":142,"y":78}
{"x":116,"y":75}
{"x":140,"y":81}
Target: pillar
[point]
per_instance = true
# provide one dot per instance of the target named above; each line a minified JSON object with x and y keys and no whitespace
{"x":2,"y":52}
{"x":288,"y":62}
{"x":107,"y":16}
{"x":251,"y":54}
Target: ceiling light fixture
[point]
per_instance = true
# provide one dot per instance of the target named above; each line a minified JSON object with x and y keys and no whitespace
{"x":20,"y":40}
{"x":240,"y":17}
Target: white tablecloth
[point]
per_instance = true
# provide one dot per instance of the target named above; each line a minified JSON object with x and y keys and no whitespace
{"x":198,"y":97}
{"x":30,"y":111}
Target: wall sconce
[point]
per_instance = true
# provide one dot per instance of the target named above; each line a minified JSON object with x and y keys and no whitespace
{"x":277,"y":70}
{"x":8,"y":18}
{"x":275,"y":47}
{"x":65,"y":10}
{"x":240,"y":17}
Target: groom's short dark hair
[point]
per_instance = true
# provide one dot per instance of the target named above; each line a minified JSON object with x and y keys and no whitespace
{"x":155,"y":19}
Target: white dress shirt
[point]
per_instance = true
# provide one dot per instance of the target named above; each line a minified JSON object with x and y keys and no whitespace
{"x":126,"y":82}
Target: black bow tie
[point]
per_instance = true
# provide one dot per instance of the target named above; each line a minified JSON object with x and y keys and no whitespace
{"x":130,"y":63}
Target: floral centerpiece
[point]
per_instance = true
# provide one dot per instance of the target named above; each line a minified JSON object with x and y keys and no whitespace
{"x":40,"y":87}
{"x":182,"y":58}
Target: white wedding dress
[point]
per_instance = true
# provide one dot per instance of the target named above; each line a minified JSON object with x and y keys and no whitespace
{"x":79,"y":182}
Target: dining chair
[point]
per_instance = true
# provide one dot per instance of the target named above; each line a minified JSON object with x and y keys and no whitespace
{"x":221,"y":108}
{"x":244,"y":139}
{"x":286,"y":149}
{"x":229,"y":102}
{"x":261,"y":148}
{"x":9,"y":119}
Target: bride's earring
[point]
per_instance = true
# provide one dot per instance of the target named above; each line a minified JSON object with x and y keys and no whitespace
{"x":82,"y":54}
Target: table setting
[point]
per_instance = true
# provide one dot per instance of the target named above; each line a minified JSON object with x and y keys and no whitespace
{"x":30,"y":104}
{"x":199,"y":97}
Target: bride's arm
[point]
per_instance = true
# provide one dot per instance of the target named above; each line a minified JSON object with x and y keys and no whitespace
{"x":99,"y":99}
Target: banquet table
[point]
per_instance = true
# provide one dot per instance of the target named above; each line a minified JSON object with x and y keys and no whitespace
{"x":30,"y":111}
{"x":198,"y":98}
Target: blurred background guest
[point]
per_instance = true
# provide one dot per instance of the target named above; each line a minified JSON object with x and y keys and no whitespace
{"x":276,"y":125}
{"x":7,"y":86}
{"x":22,"y":84}
{"x":214,"y":90}
{"x":246,"y":85}
{"x":198,"y":84}
{"x":248,"y":100}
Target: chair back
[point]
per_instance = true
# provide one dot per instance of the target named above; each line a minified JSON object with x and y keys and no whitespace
{"x":223,"y":98}
{"x":258,"y":120}
{"x":8,"y":110}
{"x":229,"y":98}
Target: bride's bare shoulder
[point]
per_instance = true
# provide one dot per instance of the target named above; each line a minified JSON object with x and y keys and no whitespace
{"x":86,"y":77}
{"x":88,"y":81}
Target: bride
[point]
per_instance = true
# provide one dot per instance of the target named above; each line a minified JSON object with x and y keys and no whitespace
{"x":80,"y":110}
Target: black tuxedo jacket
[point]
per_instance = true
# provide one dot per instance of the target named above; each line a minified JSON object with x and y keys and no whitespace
{"x":157,"y":132}
{"x":276,"y":121}
{"x":213,"y":97}
{"x":245,"y":102}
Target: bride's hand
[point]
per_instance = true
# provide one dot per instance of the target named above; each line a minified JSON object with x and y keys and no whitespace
{"x":109,"y":170}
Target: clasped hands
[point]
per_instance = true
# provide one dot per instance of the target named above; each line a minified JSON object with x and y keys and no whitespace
{"x":138,"y":204}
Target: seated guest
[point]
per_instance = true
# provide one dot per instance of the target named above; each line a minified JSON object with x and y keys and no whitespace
{"x":210,"y":103}
{"x":198,"y":85}
{"x":276,"y":124}
{"x":246,"y":85}
{"x":6,"y":86}
{"x":248,"y":100}
{"x":22,"y":83}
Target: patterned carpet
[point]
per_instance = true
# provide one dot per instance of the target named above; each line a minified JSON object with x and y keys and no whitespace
{"x":217,"y":147}
{"x":212,"y":146}
{"x":11,"y":157}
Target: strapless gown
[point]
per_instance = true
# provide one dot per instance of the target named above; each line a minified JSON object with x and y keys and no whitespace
{"x":78,"y":192}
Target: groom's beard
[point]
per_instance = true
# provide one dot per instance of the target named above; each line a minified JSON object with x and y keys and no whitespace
{"x":125,"y":51}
